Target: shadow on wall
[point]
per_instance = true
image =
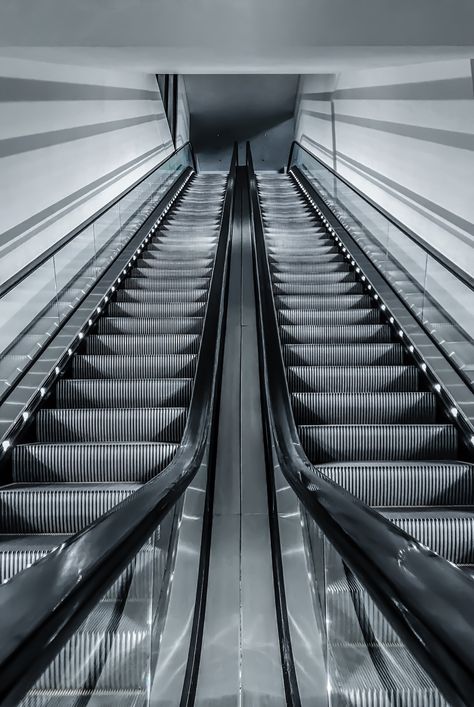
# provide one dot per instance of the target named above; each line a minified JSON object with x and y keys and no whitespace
{"x":238,"y":108}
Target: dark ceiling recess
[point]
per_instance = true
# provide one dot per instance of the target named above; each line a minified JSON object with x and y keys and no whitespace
{"x":225,"y":108}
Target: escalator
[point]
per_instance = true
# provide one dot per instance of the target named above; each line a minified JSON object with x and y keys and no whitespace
{"x":369,"y":420}
{"x":113,"y":421}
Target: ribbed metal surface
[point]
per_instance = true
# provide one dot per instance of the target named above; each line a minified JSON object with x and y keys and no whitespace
{"x":110,"y":366}
{"x":363,"y":333}
{"x":106,"y":425}
{"x":103,"y":393}
{"x":142,"y":344}
{"x":162,"y":310}
{"x":325,"y":443}
{"x":363,"y":408}
{"x":323,"y":302}
{"x":314,"y":317}
{"x":110,"y":646}
{"x":343,"y":355}
{"x":111,"y":426}
{"x":366,"y":422}
{"x":154,"y":297}
{"x":447,"y":531}
{"x":304,"y":379}
{"x":398,"y":483}
{"x":57,"y":508}
{"x":150,"y":325}
{"x":131,"y":462}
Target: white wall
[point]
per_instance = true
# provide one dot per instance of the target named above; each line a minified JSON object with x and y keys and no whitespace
{"x":405,"y":137}
{"x":71,"y":139}
{"x":182,"y":125}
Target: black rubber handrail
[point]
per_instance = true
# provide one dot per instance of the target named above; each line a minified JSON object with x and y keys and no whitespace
{"x":427,"y":600}
{"x":439,"y":257}
{"x":12,"y":282}
{"x":41,"y":607}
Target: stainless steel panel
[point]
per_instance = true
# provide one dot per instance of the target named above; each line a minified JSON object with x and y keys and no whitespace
{"x":219,"y":670}
{"x":167,"y":682}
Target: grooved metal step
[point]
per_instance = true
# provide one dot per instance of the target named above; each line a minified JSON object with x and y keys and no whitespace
{"x":57,"y":508}
{"x":364,"y":379}
{"x":112,"y":366}
{"x":109,"y":425}
{"x":363,"y":408}
{"x":150,"y":325}
{"x":343,"y":354}
{"x":328,"y":443}
{"x":157,"y":297}
{"x":323,"y":302}
{"x":158,"y":310}
{"x":315,"y":317}
{"x":313,"y":334}
{"x":142,"y":344}
{"x":405,"y":483}
{"x":97,"y":462}
{"x":103,"y":393}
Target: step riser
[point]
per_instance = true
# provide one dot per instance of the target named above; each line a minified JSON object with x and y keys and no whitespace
{"x":363,"y":408}
{"x":130,"y":425}
{"x":363,"y":380}
{"x":123,"y":394}
{"x":375,"y":442}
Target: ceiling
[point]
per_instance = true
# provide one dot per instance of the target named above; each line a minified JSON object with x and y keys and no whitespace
{"x":236,"y":36}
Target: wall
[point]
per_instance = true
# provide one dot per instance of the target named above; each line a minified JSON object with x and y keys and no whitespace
{"x":257,"y":108}
{"x":405,"y":137}
{"x":182,"y":123}
{"x":71,"y":139}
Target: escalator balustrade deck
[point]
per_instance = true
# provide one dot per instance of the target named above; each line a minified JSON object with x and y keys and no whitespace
{"x":111,"y":424}
{"x":368,"y":419}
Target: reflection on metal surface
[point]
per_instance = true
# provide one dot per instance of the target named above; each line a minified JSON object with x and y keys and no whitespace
{"x":307,"y":639}
{"x":240,"y":659}
{"x":167,"y":682}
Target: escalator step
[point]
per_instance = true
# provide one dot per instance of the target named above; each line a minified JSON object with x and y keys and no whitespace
{"x":150,"y":297}
{"x":159,"y":273}
{"x":310,"y":267}
{"x":343,"y":354}
{"x":164,"y":284}
{"x":343,"y":317}
{"x":290,"y":279}
{"x":159,"y":310}
{"x":323,"y":302}
{"x":155,"y":261}
{"x":142,"y":344}
{"x":160,"y":260}
{"x":364,"y":408}
{"x":151,"y":325}
{"x":447,"y":531}
{"x":90,"y":393}
{"x":164,"y":366}
{"x":123,"y":462}
{"x":109,"y":425}
{"x":378,"y":442}
{"x":313,"y":334}
{"x":405,"y":483}
{"x":338,"y":288}
{"x":293,"y":258}
{"x":364,"y":379}
{"x":57,"y":508}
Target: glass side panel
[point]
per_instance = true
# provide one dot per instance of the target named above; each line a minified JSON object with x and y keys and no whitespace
{"x":437,"y":297}
{"x":111,"y":657}
{"x":31,"y":312}
{"x":366,"y":661}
